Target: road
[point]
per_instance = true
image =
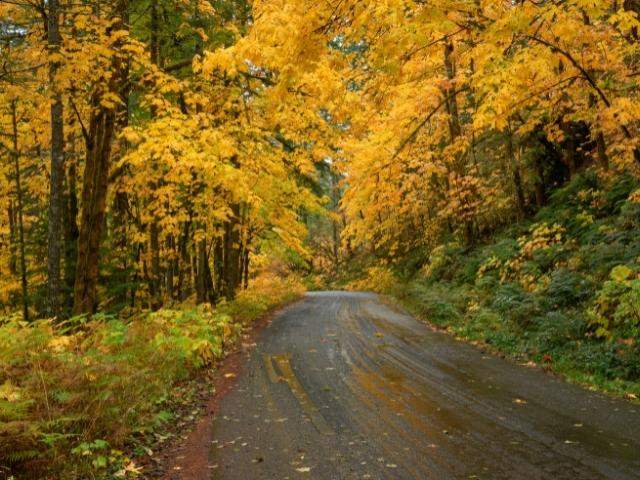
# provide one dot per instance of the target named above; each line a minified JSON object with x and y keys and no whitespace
{"x":341,"y":386}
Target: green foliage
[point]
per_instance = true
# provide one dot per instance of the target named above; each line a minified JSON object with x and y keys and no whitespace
{"x":73,"y":394}
{"x":443,"y":262}
{"x":563,"y":289}
{"x":552,"y":330}
{"x":514,"y":303}
{"x":616,"y":309}
{"x":435,"y":304}
{"x":567,"y":288}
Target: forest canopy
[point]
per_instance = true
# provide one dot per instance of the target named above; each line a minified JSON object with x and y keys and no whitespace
{"x":183,"y":137}
{"x":171,"y":169}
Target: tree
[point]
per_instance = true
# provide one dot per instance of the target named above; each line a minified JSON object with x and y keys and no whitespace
{"x":57,"y":160}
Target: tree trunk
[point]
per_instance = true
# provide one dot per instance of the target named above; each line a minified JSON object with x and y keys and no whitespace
{"x":94,"y":195}
{"x":172,"y":266}
{"x":19,"y":197}
{"x":452,"y":101}
{"x":96,"y":182}
{"x":57,"y":165}
{"x":517,"y":178}
{"x":13,"y":242}
{"x":245,"y":264}
{"x":601,"y":146}
{"x":218,"y":264}
{"x":451,"y":104}
{"x":539,"y":184}
{"x":155,"y":286}
{"x":201,"y":282}
{"x":184,"y":287}
{"x":71,"y":234}
{"x":231,"y":262}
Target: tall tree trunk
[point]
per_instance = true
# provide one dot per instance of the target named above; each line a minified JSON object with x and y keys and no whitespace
{"x":205,"y":289}
{"x":122,"y":214}
{"x":218,"y":265}
{"x":200,"y":281}
{"x":451,"y":98}
{"x":57,"y":164}
{"x":13,"y":242}
{"x":155,"y":280}
{"x":172,"y":266}
{"x":96,"y":181}
{"x":94,"y":195}
{"x":601,"y":147}
{"x":184,"y":286}
{"x":209,"y":286}
{"x":154,"y":33}
{"x":517,"y":178}
{"x":245,"y":267}
{"x":231,"y":262}
{"x":539,"y":184}
{"x":19,"y":198}
{"x":451,"y":104}
{"x":71,"y":234}
{"x":155,"y":285}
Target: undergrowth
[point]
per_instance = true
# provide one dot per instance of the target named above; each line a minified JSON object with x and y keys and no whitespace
{"x":561,"y":289}
{"x":74,"y":396}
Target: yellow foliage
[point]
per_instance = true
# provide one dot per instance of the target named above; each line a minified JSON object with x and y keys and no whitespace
{"x":376,"y":279}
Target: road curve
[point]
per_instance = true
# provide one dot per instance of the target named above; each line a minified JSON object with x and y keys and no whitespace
{"x":341,"y":386}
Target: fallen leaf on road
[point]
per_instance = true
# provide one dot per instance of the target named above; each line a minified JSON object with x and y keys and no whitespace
{"x":303,"y":469}
{"x":229,"y":375}
{"x":519,"y":401}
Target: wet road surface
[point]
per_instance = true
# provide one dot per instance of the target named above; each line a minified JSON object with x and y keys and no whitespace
{"x":341,"y":386}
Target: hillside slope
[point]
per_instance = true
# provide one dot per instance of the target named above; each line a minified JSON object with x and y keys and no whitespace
{"x":561,"y":289}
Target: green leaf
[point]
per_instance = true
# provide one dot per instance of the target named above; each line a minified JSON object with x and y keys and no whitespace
{"x":620,"y":273}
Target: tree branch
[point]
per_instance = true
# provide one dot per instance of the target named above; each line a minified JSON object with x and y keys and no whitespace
{"x":421,"y":125}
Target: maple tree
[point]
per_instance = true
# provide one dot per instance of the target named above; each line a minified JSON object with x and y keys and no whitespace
{"x":458,"y":116}
{"x":163,"y":153}
{"x":163,"y":178}
{"x":191,"y":134}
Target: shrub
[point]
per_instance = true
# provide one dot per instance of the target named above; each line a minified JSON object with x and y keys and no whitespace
{"x":609,"y":360}
{"x":443,"y":262}
{"x":70,"y":401}
{"x":617,"y":194}
{"x":265,"y":292}
{"x":567,"y":288}
{"x":438,"y":304}
{"x":377,"y":279}
{"x":515,"y":304}
{"x":480,"y":323}
{"x":616,"y":310}
{"x":503,"y":340}
{"x":554,"y":329}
